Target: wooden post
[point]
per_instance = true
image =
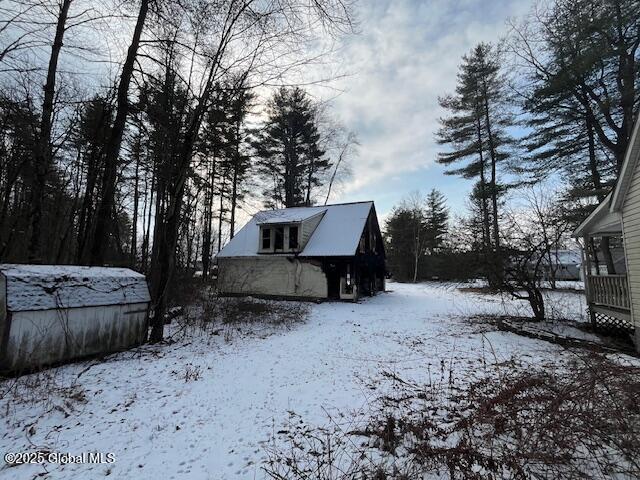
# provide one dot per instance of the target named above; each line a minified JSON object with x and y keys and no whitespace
{"x":586,"y":271}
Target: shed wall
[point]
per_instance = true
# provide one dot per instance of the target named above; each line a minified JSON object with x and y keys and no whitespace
{"x":3,"y":309}
{"x":277,"y":276}
{"x":42,"y":337}
{"x":631,"y":233}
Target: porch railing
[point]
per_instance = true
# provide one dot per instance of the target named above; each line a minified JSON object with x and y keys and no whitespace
{"x":609,"y":290}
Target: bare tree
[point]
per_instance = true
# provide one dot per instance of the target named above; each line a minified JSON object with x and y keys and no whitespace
{"x":240,"y":25}
{"x":104,"y":214}
{"x":43,"y":152}
{"x":534,"y":235}
{"x":342,"y":145}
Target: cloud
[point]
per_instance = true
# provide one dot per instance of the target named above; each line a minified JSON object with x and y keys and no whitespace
{"x":406,"y":55}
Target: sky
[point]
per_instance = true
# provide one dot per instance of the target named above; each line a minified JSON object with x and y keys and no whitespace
{"x":405,"y":55}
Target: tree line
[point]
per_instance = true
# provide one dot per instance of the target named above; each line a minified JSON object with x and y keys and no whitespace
{"x":131,"y":132}
{"x":556,"y":98}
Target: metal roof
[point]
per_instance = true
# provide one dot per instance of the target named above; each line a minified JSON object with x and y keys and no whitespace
{"x":337,"y":234}
{"x":288,"y":215}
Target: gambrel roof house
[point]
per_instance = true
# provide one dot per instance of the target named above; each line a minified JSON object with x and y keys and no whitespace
{"x":613,"y":291}
{"x":333,"y":251}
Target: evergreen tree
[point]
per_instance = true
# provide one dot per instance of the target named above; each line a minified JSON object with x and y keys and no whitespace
{"x":290,"y":160}
{"x":581,"y":82}
{"x":436,"y":221}
{"x":582,"y":78}
{"x":89,"y":138}
{"x":407,"y":237}
{"x":402,"y":228}
{"x":236,"y":165}
{"x":476,"y":130}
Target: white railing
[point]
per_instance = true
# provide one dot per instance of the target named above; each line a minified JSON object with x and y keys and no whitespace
{"x":609,"y":290}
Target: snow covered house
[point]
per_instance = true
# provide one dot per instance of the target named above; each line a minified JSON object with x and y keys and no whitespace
{"x":613,"y":288}
{"x":50,"y":314}
{"x":562,"y":265}
{"x":328,"y":252}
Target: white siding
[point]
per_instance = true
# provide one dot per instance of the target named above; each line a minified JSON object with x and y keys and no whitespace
{"x":278,"y":276}
{"x":44,"y":337}
{"x":631,"y":229}
{"x":3,"y":311}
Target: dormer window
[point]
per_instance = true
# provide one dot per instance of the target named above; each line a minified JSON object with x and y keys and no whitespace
{"x":280,"y":238}
{"x":278,"y":244}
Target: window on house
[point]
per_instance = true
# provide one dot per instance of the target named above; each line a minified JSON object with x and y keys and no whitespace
{"x":266,"y":238}
{"x":293,"y":238}
{"x":278,"y":243}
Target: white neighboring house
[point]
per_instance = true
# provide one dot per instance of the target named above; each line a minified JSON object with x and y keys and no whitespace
{"x":614,"y":296}
{"x":51,"y":313}
{"x":328,"y":252}
{"x":564,"y":265}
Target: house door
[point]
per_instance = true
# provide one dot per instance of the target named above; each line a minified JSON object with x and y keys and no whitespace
{"x":333,"y":281}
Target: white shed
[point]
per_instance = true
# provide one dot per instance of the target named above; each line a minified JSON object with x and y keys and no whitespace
{"x":53,"y":313}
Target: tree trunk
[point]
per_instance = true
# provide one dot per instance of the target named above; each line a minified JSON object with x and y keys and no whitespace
{"x":147,"y":233}
{"x":493,"y":181}
{"x":483,"y":192}
{"x":208,"y":223}
{"x":84,"y":222}
{"x":536,"y":301}
{"x":134,"y":220}
{"x":43,"y":148}
{"x":234,"y":183}
{"x":309,"y":182}
{"x":593,"y":160}
{"x":626,"y":81}
{"x":221,"y":213}
{"x":103,"y":218}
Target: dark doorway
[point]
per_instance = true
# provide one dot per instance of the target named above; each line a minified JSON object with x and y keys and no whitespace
{"x":333,"y":281}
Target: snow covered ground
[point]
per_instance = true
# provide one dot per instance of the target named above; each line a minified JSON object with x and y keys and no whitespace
{"x":203,"y":407}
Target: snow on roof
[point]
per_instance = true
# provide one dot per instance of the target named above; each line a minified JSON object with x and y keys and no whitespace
{"x":568,"y":257}
{"x":288,"y":215}
{"x":45,"y":287}
{"x":337,"y":234}
{"x":602,"y":220}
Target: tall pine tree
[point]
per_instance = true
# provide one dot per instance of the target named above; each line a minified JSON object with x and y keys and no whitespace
{"x":476,"y":130}
{"x":290,"y":160}
{"x":579,"y":60}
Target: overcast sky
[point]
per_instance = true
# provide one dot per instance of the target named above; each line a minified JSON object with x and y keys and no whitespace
{"x":407,"y":53}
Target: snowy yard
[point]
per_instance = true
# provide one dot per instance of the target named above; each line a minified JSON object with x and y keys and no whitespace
{"x":206,"y":406}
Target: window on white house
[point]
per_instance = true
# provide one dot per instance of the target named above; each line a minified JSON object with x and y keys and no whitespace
{"x":293,"y":237}
{"x":266,"y":238}
{"x":278,"y":243}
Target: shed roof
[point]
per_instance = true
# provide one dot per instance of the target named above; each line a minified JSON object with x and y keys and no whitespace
{"x":46,"y":287}
{"x":337,"y":234}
